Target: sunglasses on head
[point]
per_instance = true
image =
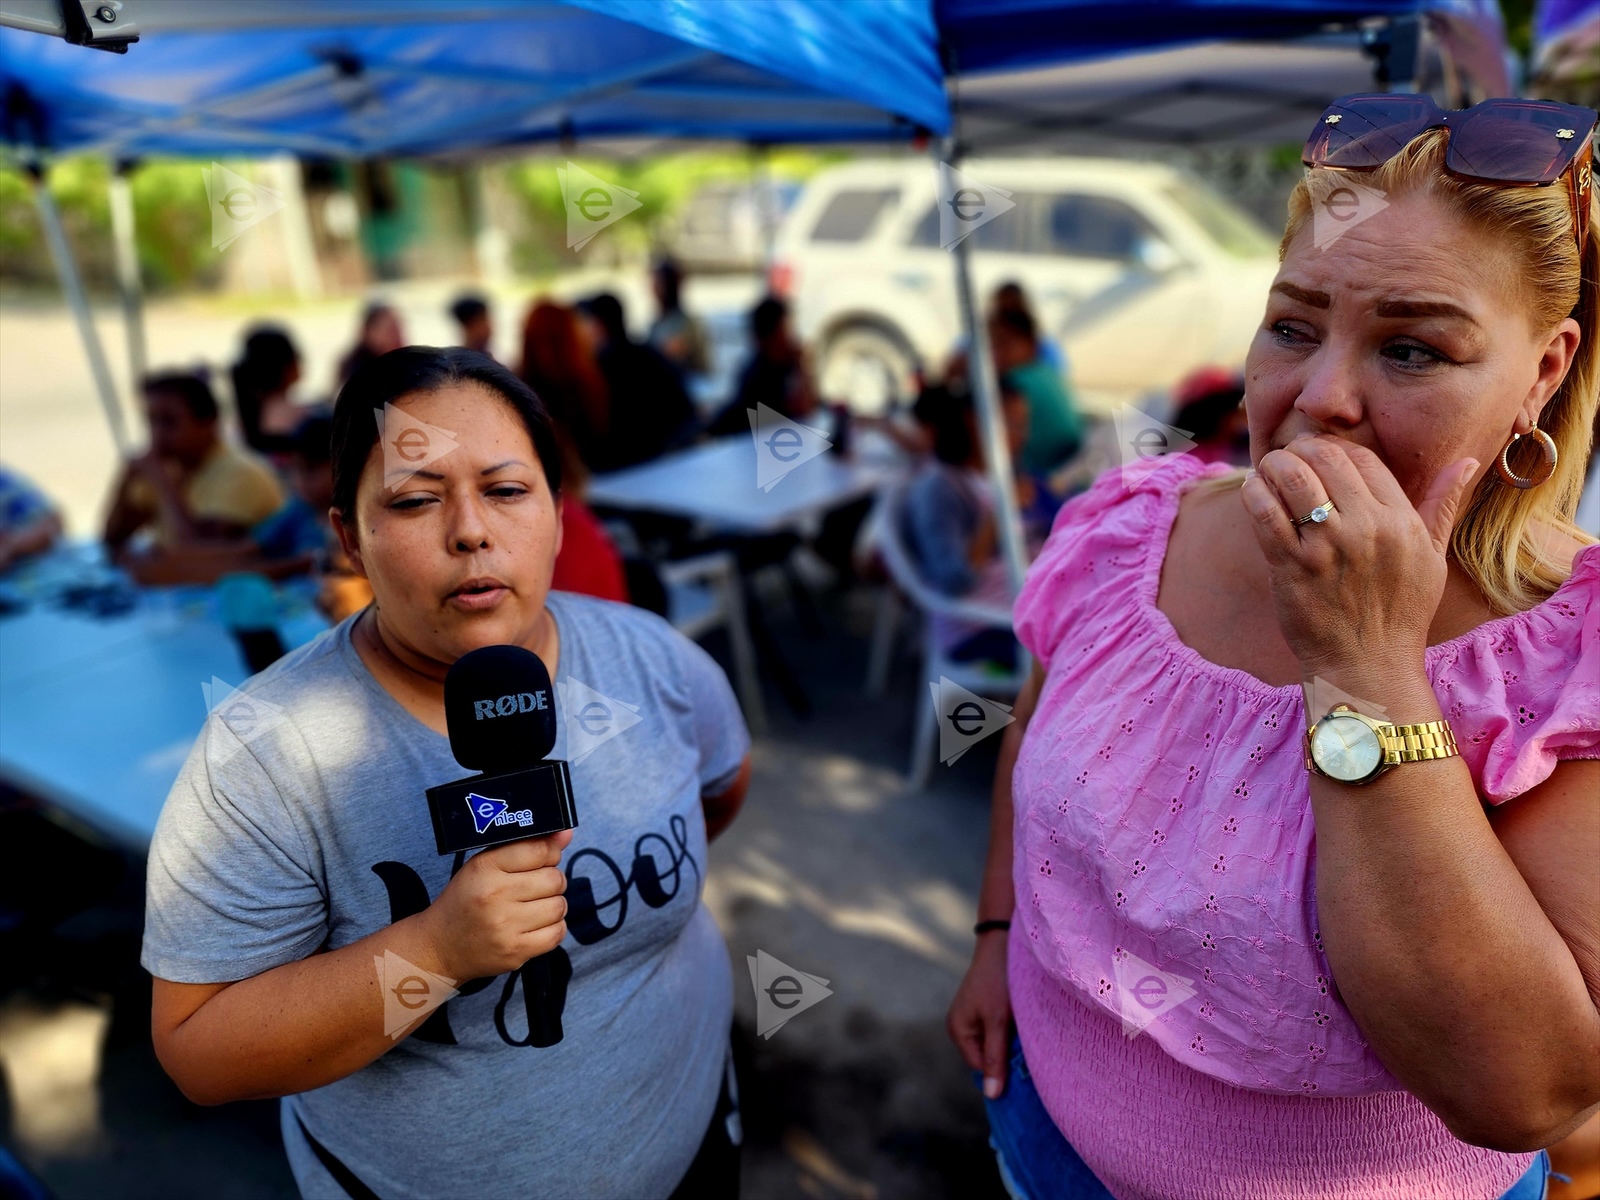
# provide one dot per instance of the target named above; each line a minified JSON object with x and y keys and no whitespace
{"x":1513,"y":143}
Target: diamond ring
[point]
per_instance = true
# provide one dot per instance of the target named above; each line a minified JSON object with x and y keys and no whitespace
{"x":1317,"y":515}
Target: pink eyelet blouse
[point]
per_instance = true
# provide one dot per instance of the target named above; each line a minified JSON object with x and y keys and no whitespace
{"x":1163,"y":820}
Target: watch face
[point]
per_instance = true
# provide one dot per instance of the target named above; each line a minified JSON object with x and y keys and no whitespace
{"x":1345,"y":748}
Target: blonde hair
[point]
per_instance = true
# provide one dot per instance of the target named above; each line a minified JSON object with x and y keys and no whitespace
{"x":1501,"y":539}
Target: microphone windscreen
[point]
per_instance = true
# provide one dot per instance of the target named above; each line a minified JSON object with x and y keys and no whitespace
{"x":500,"y":709}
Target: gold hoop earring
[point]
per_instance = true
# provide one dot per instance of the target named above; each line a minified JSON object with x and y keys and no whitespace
{"x":1545,"y":469}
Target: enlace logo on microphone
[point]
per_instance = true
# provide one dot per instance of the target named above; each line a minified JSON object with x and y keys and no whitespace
{"x":487,"y":811}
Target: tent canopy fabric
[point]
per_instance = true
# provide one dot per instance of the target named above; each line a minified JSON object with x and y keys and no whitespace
{"x":354,"y":78}
{"x":323,"y":80}
{"x":988,"y":35}
{"x":1209,"y":94}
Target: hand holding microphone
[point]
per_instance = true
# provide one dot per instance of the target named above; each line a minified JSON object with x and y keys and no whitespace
{"x":505,"y":906}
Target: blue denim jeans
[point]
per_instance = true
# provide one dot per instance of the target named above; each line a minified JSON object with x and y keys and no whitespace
{"x":1037,"y":1163}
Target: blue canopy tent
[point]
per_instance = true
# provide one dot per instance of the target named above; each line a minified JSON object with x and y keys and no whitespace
{"x":352,"y":78}
{"x":987,"y":35}
{"x":1246,"y":83}
{"x":416,"y":77}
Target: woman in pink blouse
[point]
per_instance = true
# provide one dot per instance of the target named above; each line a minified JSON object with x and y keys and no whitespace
{"x":1245,"y":962}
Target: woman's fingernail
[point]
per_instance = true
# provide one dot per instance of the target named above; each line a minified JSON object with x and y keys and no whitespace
{"x":991,"y":1088}
{"x":1248,"y":476}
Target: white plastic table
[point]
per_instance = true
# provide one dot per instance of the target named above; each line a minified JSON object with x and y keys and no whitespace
{"x":97,"y":714}
{"x":717,"y":484}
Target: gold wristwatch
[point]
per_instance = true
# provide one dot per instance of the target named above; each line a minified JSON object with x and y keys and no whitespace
{"x":1354,"y":748}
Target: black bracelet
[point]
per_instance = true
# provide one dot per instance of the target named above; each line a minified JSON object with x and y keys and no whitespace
{"x":990,"y":926}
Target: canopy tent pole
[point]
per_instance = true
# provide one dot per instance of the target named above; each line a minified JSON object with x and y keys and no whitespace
{"x":72,"y":287}
{"x":985,"y":386}
{"x":299,"y":246}
{"x":125,"y":235}
{"x":766,"y":218}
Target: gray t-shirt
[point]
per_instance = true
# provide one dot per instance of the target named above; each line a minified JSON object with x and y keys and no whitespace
{"x":299,"y":822}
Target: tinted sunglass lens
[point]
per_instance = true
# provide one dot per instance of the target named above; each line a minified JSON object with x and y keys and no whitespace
{"x":1358,"y":133}
{"x":1518,"y":141}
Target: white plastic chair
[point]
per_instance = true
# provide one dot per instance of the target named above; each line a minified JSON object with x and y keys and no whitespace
{"x":906,"y":581}
{"x":703,"y":593}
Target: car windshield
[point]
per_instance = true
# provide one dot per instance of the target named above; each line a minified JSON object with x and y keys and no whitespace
{"x":1226,"y":225}
{"x":851,"y":215}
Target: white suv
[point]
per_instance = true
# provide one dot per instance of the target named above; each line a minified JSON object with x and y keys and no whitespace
{"x":1141,"y":272}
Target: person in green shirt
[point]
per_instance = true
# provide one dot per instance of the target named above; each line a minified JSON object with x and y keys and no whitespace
{"x":1055,"y":430}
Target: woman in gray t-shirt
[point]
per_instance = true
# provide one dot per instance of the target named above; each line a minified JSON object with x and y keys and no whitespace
{"x":309,"y":942}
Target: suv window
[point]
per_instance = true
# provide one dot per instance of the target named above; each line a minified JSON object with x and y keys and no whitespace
{"x":1230,"y":228}
{"x":1006,"y":234}
{"x":850,"y":216}
{"x":1094,"y":227}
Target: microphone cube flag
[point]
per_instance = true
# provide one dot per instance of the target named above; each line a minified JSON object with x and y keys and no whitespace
{"x":485,"y":810}
{"x":501,"y":712}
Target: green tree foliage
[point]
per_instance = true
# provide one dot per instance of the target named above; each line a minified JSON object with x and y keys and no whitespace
{"x":170,"y":214}
{"x":665,"y":183}
{"x":174,"y":223}
{"x":174,"y":219}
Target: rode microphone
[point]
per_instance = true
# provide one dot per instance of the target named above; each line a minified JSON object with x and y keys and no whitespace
{"x":501,"y":713}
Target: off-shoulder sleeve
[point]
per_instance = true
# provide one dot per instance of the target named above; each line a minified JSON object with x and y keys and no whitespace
{"x":1527,"y":695}
{"x":1097,"y":548}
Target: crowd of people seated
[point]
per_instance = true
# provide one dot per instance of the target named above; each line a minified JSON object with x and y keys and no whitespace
{"x":648,"y":402}
{"x":472,"y":315}
{"x":193,"y":491}
{"x":949,"y":519}
{"x":775,"y":374}
{"x":29,"y":523}
{"x":197,"y":504}
{"x":201,"y":503}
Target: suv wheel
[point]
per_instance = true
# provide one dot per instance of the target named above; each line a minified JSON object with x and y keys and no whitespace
{"x":869,"y":368}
